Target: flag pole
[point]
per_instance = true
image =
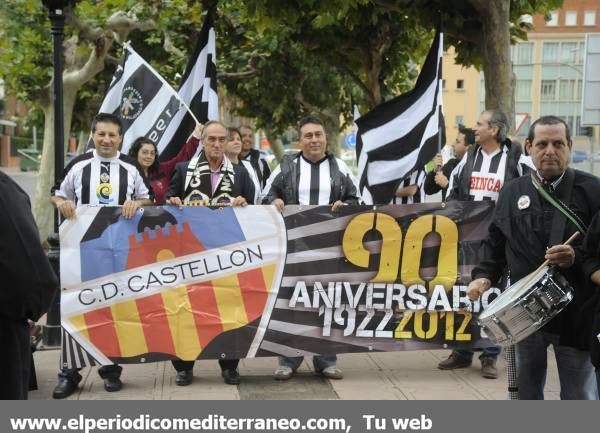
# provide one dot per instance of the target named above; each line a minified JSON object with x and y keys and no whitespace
{"x":440,"y":31}
{"x":128,"y":46}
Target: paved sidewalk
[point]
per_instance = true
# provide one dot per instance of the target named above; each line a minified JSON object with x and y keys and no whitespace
{"x":367,"y":376}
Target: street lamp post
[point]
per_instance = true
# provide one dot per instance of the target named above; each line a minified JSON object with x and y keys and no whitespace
{"x":51,"y":330}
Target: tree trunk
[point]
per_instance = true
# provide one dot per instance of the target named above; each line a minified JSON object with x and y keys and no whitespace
{"x":497,"y":65}
{"x":276,"y":144}
{"x":42,"y":209}
{"x":332,"y":129}
{"x":73,"y":80}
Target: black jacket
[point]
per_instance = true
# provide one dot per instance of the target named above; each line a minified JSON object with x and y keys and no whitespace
{"x":461,"y":183}
{"x":517,"y":239}
{"x":591,"y":246}
{"x":430,"y":187}
{"x":285,"y":183}
{"x":242,"y":184}
{"x":28,"y":281}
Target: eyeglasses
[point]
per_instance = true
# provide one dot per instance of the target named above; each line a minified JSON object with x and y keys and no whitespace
{"x":310,"y":135}
{"x":211,"y":139}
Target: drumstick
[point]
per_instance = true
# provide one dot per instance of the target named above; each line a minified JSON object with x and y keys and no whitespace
{"x":567,"y":242}
{"x":534,"y":273}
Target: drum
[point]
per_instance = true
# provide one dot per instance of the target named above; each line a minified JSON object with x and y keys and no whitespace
{"x":526,"y":306}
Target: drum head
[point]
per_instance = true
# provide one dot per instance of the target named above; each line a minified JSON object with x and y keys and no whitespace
{"x":515,"y":291}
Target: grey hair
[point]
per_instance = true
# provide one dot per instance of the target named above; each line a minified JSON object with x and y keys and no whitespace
{"x":207,"y":124}
{"x":499,"y":120}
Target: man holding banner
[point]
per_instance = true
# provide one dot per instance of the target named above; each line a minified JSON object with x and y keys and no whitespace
{"x":210,"y":179}
{"x":534,"y":216}
{"x":103,"y":177}
{"x":311,"y":177}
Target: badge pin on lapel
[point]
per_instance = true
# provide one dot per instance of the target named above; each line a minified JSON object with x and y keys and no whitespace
{"x":523,"y":202}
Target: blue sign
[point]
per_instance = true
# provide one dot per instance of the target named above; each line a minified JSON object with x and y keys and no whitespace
{"x":350,"y":140}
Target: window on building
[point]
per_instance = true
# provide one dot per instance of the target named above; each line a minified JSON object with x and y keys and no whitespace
{"x":550,"y":52}
{"x":553,"y":21}
{"x":566,"y":90}
{"x":589,"y":18}
{"x":548,"y":91}
{"x":443,"y":84}
{"x":524,"y":54}
{"x":460,"y":120}
{"x":460,"y":84}
{"x":571,"y":18}
{"x":568,"y":52}
{"x":523,"y":90}
{"x":578,"y":88}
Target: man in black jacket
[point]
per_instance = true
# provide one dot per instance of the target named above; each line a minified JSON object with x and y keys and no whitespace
{"x":211,"y":180}
{"x":311,"y":177}
{"x":249,"y":153}
{"x":526,"y":230}
{"x":489,"y":164}
{"x":438,"y":179}
{"x":28,"y":285}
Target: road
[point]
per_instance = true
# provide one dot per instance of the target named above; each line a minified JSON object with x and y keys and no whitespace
{"x":26,"y":180}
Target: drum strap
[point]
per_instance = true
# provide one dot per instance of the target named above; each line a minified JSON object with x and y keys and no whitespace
{"x":559,"y":221}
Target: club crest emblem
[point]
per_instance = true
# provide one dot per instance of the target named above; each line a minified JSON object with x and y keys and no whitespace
{"x":132,"y":103}
{"x":103,"y":193}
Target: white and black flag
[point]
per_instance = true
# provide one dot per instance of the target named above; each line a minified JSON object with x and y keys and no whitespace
{"x":401,"y":135}
{"x":198,"y":90}
{"x":148,"y":106}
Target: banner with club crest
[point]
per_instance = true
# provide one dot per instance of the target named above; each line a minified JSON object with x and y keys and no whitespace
{"x":210,"y":283}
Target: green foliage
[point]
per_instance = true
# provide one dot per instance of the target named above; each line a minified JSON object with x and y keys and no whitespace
{"x":26,"y":43}
{"x":25,"y":47}
{"x":300,"y":56}
{"x":313,"y":56}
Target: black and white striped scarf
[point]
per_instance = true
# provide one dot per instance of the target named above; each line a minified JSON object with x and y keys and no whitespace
{"x":198,"y":185}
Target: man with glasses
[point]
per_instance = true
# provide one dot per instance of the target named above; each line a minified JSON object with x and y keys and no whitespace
{"x":210,"y":180}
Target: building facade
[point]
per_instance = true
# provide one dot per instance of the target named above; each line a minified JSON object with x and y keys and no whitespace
{"x":548,"y":68}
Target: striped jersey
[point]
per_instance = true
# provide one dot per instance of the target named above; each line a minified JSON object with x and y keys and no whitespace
{"x":489,"y":172}
{"x":417,"y":177}
{"x":92,"y":180}
{"x":314,"y":183}
{"x":260,"y":166}
{"x":257,"y":187}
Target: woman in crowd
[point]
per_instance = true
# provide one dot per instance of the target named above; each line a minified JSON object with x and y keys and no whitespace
{"x":159,"y":173}
{"x":232,"y":150}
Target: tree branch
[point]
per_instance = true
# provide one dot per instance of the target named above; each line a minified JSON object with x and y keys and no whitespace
{"x":243,"y":75}
{"x":392,"y":6}
{"x":170,"y":47}
{"x":93,"y":65}
{"x":87,"y":29}
{"x":121,"y":24}
{"x":299,"y":96}
{"x":345,"y":70}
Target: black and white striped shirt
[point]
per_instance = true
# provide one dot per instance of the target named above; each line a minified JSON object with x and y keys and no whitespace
{"x":417,"y":177}
{"x":314,"y":183}
{"x":489,"y":170}
{"x":92,"y":180}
